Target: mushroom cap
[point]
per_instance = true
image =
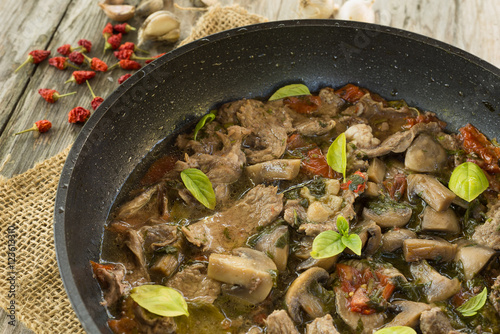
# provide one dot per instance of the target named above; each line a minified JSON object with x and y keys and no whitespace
{"x":299,"y":296}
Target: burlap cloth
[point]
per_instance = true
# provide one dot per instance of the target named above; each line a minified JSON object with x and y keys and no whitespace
{"x":26,"y":209}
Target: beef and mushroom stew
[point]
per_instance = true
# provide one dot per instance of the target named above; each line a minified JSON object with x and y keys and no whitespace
{"x":335,"y":212}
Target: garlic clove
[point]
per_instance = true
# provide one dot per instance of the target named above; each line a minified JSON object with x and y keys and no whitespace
{"x":317,"y":9}
{"x":357,"y":10}
{"x":118,"y":13}
{"x":113,"y":2}
{"x":149,"y":7}
{"x":160,"y":26}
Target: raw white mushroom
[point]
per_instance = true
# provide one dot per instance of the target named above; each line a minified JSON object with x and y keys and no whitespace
{"x":357,"y":10}
{"x":317,"y":9}
{"x":160,"y":26}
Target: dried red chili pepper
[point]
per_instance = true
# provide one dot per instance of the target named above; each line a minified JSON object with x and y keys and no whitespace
{"x":123,"y":54}
{"x":131,"y":46}
{"x":107,"y":31}
{"x":76,"y":57}
{"x":86,"y":45}
{"x":123,"y":28}
{"x":65,"y":49}
{"x":123,"y":78}
{"x":81,"y":76}
{"x":40,"y":126}
{"x":51,"y":95}
{"x":113,"y":42}
{"x":307,"y":104}
{"x":78,"y":115}
{"x":127,"y":64}
{"x":96,"y":64}
{"x":351,"y":93}
{"x":60,"y":63}
{"x":474,"y":141}
{"x":155,"y":57}
{"x":34,"y":57}
{"x":96,"y":100}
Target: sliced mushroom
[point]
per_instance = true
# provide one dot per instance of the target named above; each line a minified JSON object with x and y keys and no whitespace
{"x":279,"y":169}
{"x":393,"y":239}
{"x":326,"y":263}
{"x":438,"y":287}
{"x":376,"y":171}
{"x":473,"y":258}
{"x":300,"y":294}
{"x":275,"y":244}
{"x":356,"y":320}
{"x":409,"y":313}
{"x":425,"y":154}
{"x":322,"y":325}
{"x":428,"y":249}
{"x":372,"y":189}
{"x":431,"y":190}
{"x":389,"y":216}
{"x":370,"y":235}
{"x":247,"y":268}
{"x":440,"y":221}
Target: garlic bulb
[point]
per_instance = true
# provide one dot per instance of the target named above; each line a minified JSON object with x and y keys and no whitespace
{"x":316,"y":9}
{"x":357,"y":10}
{"x":160,"y":26}
{"x":118,"y":13}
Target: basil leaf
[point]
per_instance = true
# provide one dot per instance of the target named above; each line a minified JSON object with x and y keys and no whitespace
{"x":353,"y":242}
{"x":342,"y":225}
{"x":468,"y":181}
{"x":396,"y":330}
{"x":337,"y":156}
{"x":327,"y":244}
{"x":200,"y":186}
{"x":205,"y":119}
{"x":161,"y":300}
{"x":474,"y":304}
{"x":290,"y":90}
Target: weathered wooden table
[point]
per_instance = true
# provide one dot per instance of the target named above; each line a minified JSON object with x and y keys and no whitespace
{"x":26,"y":25}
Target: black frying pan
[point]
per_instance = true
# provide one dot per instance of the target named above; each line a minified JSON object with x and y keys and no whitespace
{"x":171,"y":93}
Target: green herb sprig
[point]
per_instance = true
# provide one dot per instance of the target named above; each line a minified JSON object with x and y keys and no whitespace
{"x":204,"y":120}
{"x":290,"y":90}
{"x":160,"y":300}
{"x":331,"y":243}
{"x":468,"y":181}
{"x":337,"y":155}
{"x":474,"y":304}
{"x":200,"y":186}
{"x":396,"y":330}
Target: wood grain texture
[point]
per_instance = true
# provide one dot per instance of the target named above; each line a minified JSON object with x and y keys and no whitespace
{"x":471,"y":25}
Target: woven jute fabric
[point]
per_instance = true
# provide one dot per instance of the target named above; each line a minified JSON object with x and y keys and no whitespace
{"x":26,"y":221}
{"x":218,"y":19}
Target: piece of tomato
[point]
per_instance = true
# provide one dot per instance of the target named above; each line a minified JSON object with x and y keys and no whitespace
{"x":351,"y":93}
{"x":474,"y":141}
{"x":315,"y":163}
{"x":158,"y":169}
{"x":306,"y":104}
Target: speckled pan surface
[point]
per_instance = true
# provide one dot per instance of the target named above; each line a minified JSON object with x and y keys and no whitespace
{"x":137,"y":120}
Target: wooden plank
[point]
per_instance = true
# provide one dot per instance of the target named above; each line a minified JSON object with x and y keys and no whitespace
{"x":471,"y":25}
{"x":83,"y":19}
{"x":26,"y":25}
